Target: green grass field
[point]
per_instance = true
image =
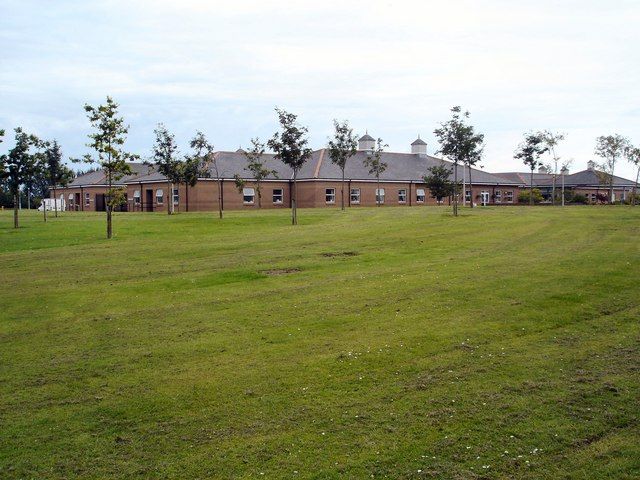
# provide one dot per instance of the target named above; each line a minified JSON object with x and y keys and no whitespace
{"x":375,"y":343}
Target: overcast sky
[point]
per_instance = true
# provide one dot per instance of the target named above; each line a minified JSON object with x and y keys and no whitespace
{"x":392,"y":67}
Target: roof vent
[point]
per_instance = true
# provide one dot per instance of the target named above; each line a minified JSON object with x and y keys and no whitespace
{"x":419,"y":146}
{"x":591,"y":165}
{"x":366,"y":142}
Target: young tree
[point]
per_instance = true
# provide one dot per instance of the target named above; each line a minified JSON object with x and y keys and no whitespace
{"x":611,"y":148}
{"x":290,"y":147}
{"x":256,"y":166}
{"x":108,"y":139}
{"x":166,"y":161}
{"x":459,"y":143}
{"x":195,"y":166}
{"x":438,"y":183}
{"x":56,"y":172}
{"x":376,"y":166}
{"x":552,"y":140}
{"x":342,"y":147}
{"x":18,"y":166}
{"x":633,"y":156}
{"x":529,"y":152}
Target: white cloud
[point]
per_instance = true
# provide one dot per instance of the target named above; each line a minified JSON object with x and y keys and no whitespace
{"x":392,"y":67}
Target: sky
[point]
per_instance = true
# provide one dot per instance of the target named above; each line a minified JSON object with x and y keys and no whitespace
{"x":392,"y":68}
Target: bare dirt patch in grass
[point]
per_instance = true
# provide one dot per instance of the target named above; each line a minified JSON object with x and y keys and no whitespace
{"x":274,"y":272}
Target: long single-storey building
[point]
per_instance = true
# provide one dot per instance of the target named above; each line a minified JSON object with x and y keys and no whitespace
{"x":319,"y":184}
{"x":591,"y":183}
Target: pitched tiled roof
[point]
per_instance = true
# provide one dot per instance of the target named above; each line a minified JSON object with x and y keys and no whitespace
{"x":419,"y":141}
{"x":591,"y":178}
{"x":368,"y":137}
{"x":99,"y":178}
{"x":400,"y":167}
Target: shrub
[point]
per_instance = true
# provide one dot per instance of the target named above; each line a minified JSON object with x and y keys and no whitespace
{"x":523,"y":197}
{"x":579,"y":198}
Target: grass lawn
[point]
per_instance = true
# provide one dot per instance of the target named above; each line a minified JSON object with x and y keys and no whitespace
{"x":389,"y":342}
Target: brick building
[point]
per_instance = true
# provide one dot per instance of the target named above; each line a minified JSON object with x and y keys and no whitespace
{"x":319,"y":184}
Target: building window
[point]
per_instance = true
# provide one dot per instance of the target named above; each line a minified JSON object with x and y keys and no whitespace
{"x":159,"y":196}
{"x":379,"y":195}
{"x":508,"y":196}
{"x":87,"y":199}
{"x":278,"y":195}
{"x":71,"y":199}
{"x":402,"y":196}
{"x":176,"y":196}
{"x":355,"y":195}
{"x":467,"y":195}
{"x":330,"y":195}
{"x":498,"y":196}
{"x":136,"y":197}
{"x":420,"y":196}
{"x":248,"y":195}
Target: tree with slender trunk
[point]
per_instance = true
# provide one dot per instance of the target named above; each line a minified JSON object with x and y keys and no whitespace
{"x":342,"y":147}
{"x":610,"y":148}
{"x":290,"y":147}
{"x":552,"y":140}
{"x":460,"y":143}
{"x":256,"y":166}
{"x":18,"y":166}
{"x":195,"y":166}
{"x":376,"y":166}
{"x":529,"y":152}
{"x":633,"y":156}
{"x":57,"y":173}
{"x":563,"y":171}
{"x":166,"y":161}
{"x":108,"y":139}
{"x":437,"y":180}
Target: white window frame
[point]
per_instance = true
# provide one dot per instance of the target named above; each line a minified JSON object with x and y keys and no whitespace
{"x":402,"y":197}
{"x":508,"y":196}
{"x":354,"y":194}
{"x":330,"y":195}
{"x":87,"y":199}
{"x":421,"y":195}
{"x":248,"y":195}
{"x":159,"y":196}
{"x":70,"y":198}
{"x":498,"y":196}
{"x":277,"y":198}
{"x":467,"y":195}
{"x":176,"y":196}
{"x":136,"y":197}
{"x":380,"y":196}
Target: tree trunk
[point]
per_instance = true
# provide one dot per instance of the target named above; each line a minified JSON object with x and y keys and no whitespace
{"x":531,"y":190}
{"x":55,"y":202}
{"x":259,"y":195}
{"x":635,"y":189}
{"x":220,"y":198}
{"x":562,"y":193}
{"x":16,"y":201}
{"x":169,"y":198}
{"x":611,"y":184}
{"x":294,"y":199}
{"x":44,"y":210}
{"x":378,"y":192}
{"x":455,"y":189}
{"x":186,"y":192}
{"x":342,"y":192}
{"x":470,"y":187}
{"x":28,"y":199}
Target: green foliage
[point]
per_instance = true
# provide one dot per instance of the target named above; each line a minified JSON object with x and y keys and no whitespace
{"x":578,"y":198}
{"x":343,"y":145}
{"x":437,"y":181}
{"x":195,"y":166}
{"x":459,"y":141}
{"x":374,"y":160}
{"x":256,"y":167}
{"x":525,"y":196}
{"x":290,"y":147}
{"x":165,"y":155}
{"x":531,"y":149}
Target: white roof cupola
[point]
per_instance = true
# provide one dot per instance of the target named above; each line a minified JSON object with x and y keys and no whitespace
{"x":419,"y":146}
